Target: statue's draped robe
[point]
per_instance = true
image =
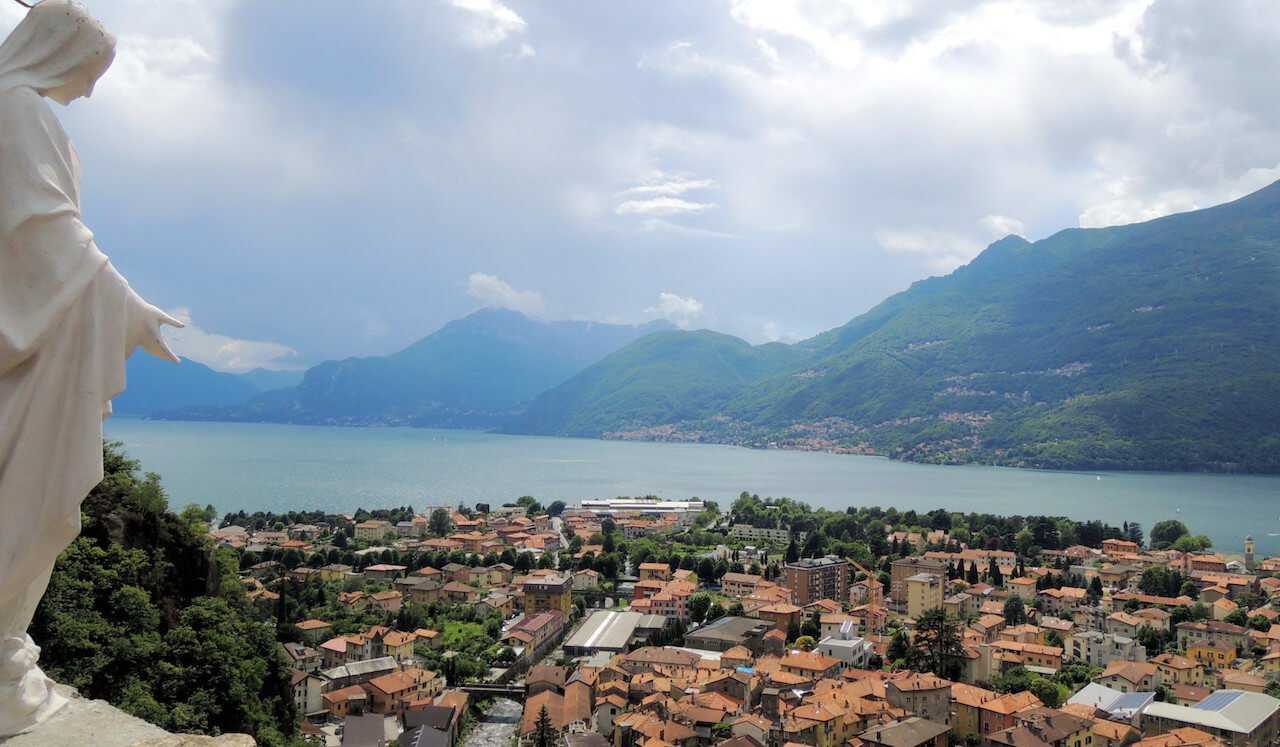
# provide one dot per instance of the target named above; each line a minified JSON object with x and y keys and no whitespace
{"x":64,"y":312}
{"x":64,"y":333}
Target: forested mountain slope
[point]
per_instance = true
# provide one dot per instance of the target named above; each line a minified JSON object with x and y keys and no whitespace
{"x":1147,"y":346}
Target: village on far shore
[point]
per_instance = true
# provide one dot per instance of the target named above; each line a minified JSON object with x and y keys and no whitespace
{"x":642,"y":622}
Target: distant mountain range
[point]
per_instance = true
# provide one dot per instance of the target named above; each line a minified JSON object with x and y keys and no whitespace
{"x":1148,"y":346}
{"x":475,"y":372}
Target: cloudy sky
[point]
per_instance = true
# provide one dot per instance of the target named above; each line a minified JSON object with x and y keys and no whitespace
{"x":307,"y":180}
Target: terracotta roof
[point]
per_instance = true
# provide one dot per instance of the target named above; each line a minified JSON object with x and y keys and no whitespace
{"x":1131,"y":671}
{"x":1011,"y":703}
{"x":549,"y":699}
{"x":917,"y":682}
{"x":971,"y":695}
{"x":809,"y":661}
{"x":1187,"y":736}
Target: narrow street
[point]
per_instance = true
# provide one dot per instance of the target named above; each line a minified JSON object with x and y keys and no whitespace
{"x":498,"y":727}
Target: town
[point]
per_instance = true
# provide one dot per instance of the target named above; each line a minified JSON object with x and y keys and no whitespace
{"x":654,"y":623}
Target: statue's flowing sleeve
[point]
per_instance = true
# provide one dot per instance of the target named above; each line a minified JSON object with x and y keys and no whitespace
{"x":47,"y":255}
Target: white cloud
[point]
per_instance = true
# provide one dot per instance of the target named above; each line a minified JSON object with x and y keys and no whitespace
{"x":941,"y":252}
{"x":1126,"y":207}
{"x":662,"y":206}
{"x":999,"y":226}
{"x":491,"y":22}
{"x":771,"y":331}
{"x":494,"y":291}
{"x":669,"y":185}
{"x":223,"y":353}
{"x":661,"y":225}
{"x":679,"y":310}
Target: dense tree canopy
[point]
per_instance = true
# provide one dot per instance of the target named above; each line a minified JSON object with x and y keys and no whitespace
{"x":141,"y":611}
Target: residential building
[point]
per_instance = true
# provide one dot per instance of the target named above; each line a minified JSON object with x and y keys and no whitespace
{"x":1211,"y":631}
{"x":925,"y":695}
{"x":544,"y":593}
{"x":811,"y":579}
{"x":905,"y":568}
{"x":1100,"y":649}
{"x":1046,"y":727}
{"x":924,"y":593}
{"x":314,"y":631}
{"x":374,"y":530}
{"x":534,"y":634}
{"x":655,"y":572}
{"x":748,"y":533}
{"x":908,"y":732}
{"x":1173,"y":669}
{"x":307,"y":693}
{"x":1129,"y":676}
{"x":850,"y":650}
{"x":740,"y":584}
{"x":783,"y":615}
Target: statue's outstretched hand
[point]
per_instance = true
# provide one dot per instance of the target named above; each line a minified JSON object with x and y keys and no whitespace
{"x":144,"y":322}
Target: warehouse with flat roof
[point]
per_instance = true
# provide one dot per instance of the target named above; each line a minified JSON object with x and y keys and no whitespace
{"x":612,"y":631}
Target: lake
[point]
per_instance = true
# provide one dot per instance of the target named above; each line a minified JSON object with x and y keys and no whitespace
{"x":256,"y":466}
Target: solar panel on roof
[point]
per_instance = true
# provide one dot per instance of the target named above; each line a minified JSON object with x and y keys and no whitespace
{"x":1218,"y":700}
{"x":1131,"y":701}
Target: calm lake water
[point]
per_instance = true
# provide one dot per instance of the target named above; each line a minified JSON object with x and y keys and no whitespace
{"x":280,"y":467}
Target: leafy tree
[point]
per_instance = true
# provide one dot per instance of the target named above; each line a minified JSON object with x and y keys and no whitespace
{"x":1015,"y":612}
{"x":714,"y":612}
{"x":805,"y":643}
{"x":698,"y":605}
{"x":1167,"y":532}
{"x":1189,"y":543}
{"x":439,"y":524}
{"x":939,"y":648}
{"x":971,"y":575}
{"x":143,"y":612}
{"x":1095,"y":590}
{"x":899,"y":646}
{"x":555,"y":508}
{"x":1047,"y":691}
{"x":706,"y":570}
{"x":811,"y":626}
{"x":1015,"y":680}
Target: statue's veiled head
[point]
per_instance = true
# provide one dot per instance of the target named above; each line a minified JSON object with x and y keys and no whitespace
{"x":58,"y":50}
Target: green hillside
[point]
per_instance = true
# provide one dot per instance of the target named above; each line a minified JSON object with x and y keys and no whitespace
{"x":1148,"y":346}
{"x":667,"y":377}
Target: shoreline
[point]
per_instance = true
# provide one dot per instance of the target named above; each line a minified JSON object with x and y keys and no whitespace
{"x":838,"y":451}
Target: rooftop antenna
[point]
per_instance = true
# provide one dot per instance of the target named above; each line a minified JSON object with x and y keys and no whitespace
{"x":25,"y":5}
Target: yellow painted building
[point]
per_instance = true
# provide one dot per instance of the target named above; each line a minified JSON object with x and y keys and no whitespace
{"x":543,"y":593}
{"x":924,"y":592}
{"x":1213,"y":655}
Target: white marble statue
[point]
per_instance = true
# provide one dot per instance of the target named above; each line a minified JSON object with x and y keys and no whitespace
{"x":68,"y":320}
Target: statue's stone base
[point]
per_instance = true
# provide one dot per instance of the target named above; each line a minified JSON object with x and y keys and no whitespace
{"x":94,"y":722}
